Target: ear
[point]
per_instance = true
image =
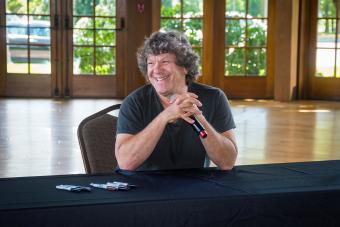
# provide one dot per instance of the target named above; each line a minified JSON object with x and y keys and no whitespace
{"x":185,"y":71}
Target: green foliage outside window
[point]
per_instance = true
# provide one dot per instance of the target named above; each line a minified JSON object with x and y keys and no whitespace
{"x":99,"y":33}
{"x":327,"y":47}
{"x":170,"y":9}
{"x":186,"y":18}
{"x":245,"y":38}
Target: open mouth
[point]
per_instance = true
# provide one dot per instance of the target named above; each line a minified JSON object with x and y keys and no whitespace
{"x":161,"y":78}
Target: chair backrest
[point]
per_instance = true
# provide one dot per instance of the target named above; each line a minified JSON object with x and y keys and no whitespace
{"x":97,"y":137}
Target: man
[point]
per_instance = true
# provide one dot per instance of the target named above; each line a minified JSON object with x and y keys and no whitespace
{"x":154,"y":131}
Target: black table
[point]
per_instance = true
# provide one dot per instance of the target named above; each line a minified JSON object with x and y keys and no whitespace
{"x":290,"y":194}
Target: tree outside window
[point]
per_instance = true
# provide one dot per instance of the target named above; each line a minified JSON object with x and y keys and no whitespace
{"x":246,"y":25}
{"x":94,"y":37}
{"x":327,"y":46}
{"x":185,"y":16}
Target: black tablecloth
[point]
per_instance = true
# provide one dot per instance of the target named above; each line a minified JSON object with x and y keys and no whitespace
{"x":290,"y":194}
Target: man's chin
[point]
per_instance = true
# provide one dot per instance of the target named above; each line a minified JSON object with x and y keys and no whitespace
{"x":165,"y":93}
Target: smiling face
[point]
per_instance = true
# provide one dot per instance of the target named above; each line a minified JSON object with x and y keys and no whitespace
{"x":165,"y":76}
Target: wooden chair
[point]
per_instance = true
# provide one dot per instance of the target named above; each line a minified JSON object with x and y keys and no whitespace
{"x":97,"y":137}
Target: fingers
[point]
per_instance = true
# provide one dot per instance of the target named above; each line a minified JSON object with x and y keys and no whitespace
{"x":183,"y":106}
{"x":186,"y":117}
{"x":187,"y":99}
{"x":188,"y":104}
{"x":191,"y":110}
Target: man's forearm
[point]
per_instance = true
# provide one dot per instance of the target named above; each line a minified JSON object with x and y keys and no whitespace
{"x":133,"y":150}
{"x":221,"y":148}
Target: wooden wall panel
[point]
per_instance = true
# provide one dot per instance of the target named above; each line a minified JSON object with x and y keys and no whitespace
{"x":138,"y":26}
{"x":286,"y":46}
{"x":213,"y":42}
{"x":95,"y":86}
{"x":28,"y":86}
{"x":2,"y":48}
{"x":245,"y":87}
{"x":305,"y":56}
{"x":325,"y":88}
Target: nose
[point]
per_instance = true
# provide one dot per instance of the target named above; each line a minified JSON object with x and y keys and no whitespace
{"x":157,"y":66}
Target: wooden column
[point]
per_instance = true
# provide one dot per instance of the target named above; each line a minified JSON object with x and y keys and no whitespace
{"x":138,"y":26}
{"x":306,"y":48}
{"x":286,"y":49}
{"x":3,"y":64}
{"x":213,"y":42}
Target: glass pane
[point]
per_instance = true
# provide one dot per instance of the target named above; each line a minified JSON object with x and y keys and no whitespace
{"x":106,"y":60}
{"x":171,"y":24}
{"x":40,"y":19}
{"x":256,"y":62}
{"x":193,"y":30}
{"x":17,"y":67}
{"x":83,"y":7}
{"x":16,"y":31}
{"x":326,"y":8}
{"x":193,"y":8}
{"x":198,"y":51}
{"x":17,"y":53}
{"x":39,"y":54}
{"x":21,"y":20}
{"x":19,"y":6}
{"x":235,"y":8}
{"x":16,"y":35}
{"x":108,"y":23}
{"x":338,"y":33}
{"x":257,"y":33}
{"x":170,"y":8}
{"x":83,"y":60}
{"x":338,"y":63}
{"x":39,"y":7}
{"x":106,"y":8}
{"x":39,"y":36}
{"x":17,"y":58}
{"x":325,"y":61}
{"x":83,"y":22}
{"x":258,"y":8}
{"x":40,"y":59}
{"x":234,"y":61}
{"x":82,"y":37}
{"x":39,"y":32}
{"x":44,"y":20}
{"x":105,"y":37}
{"x":235,"y":33}
{"x":326,"y":33}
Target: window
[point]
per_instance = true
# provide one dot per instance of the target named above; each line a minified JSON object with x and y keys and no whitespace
{"x":327,"y":46}
{"x":246,"y":23}
{"x":28,"y":37}
{"x":94,"y":37}
{"x":185,"y":16}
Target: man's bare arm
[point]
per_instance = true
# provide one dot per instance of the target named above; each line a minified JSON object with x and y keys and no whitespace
{"x":132,"y":150}
{"x":221,"y":147}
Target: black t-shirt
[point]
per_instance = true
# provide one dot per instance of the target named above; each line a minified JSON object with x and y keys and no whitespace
{"x":179,"y":147}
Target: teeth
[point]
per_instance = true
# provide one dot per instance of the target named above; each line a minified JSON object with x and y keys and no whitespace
{"x":161,"y":78}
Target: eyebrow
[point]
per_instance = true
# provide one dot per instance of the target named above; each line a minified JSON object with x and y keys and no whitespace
{"x":162,"y":59}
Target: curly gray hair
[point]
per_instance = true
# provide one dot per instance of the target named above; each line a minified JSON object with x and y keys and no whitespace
{"x":170,"y":42}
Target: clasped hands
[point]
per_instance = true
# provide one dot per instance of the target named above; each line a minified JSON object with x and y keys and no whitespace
{"x":183,"y":106}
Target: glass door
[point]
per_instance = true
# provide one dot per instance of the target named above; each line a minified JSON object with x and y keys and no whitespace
{"x":92,"y":36}
{"x":325,"y":79}
{"x":28,"y":48}
{"x":61,"y":48}
{"x":246,"y":55}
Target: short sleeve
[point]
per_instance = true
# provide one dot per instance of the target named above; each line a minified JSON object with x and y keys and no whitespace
{"x":130,"y":116}
{"x":223,"y":119}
